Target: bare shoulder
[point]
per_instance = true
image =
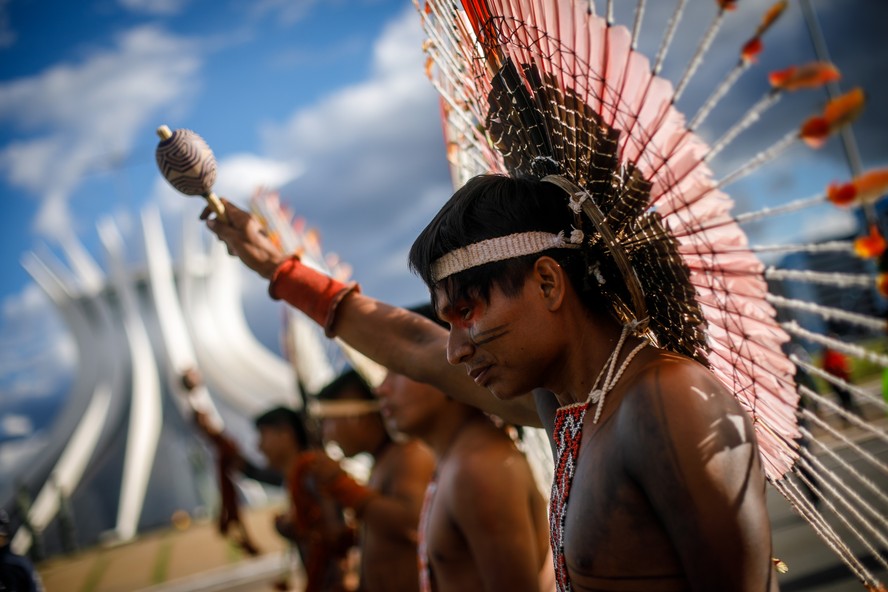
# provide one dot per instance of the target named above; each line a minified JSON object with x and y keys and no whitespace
{"x":677,"y":386}
{"x":411,"y":452}
{"x":675,"y":404}
{"x":411,"y":457}
{"x":487,"y":460}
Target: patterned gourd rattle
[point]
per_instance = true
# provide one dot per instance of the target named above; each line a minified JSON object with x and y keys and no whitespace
{"x":186,"y":161}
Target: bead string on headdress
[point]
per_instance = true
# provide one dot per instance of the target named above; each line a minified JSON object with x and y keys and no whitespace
{"x":500,"y":249}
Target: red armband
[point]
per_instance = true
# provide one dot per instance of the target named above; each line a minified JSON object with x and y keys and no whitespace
{"x":312,"y":292}
{"x":348,"y":493}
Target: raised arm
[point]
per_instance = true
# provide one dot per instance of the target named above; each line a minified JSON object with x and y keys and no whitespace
{"x":400,"y":340}
{"x":394,"y":512}
{"x":693,"y":451}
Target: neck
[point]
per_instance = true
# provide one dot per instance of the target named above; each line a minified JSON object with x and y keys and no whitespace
{"x":586,"y":354}
{"x":378,"y":445}
{"x":287,"y":461}
{"x":446,"y":427}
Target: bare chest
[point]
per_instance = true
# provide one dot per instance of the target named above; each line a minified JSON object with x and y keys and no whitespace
{"x":445,"y":543}
{"x":611,"y":533}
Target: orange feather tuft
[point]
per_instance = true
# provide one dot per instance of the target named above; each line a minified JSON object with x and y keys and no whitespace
{"x":815,"y":131}
{"x":811,"y":75}
{"x":771,"y":16}
{"x":882,"y":284}
{"x":841,"y":195}
{"x":838,"y":113}
{"x":868,"y":187}
{"x":844,"y":109}
{"x":751,"y":49}
{"x":870,"y":246}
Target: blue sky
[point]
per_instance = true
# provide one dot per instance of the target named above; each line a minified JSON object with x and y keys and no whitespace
{"x":275,"y":87}
{"x":325,"y":100}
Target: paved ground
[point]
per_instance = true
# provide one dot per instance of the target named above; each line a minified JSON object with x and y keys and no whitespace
{"x":192,"y":559}
{"x":812,"y":566}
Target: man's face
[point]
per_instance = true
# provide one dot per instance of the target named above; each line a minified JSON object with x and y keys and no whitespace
{"x":276,"y":444}
{"x":502,"y":342}
{"x":408,"y":406}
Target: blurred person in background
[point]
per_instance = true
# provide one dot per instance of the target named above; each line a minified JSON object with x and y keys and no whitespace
{"x":388,"y":505}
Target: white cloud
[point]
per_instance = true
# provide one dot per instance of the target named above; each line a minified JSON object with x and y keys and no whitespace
{"x":364,"y":115}
{"x":73,"y":117}
{"x":285,"y":12}
{"x":15,"y":426}
{"x":238,"y":176}
{"x":17,"y":454}
{"x":28,"y":302}
{"x":154,"y":7}
{"x":375,"y":170}
{"x":39,"y":352}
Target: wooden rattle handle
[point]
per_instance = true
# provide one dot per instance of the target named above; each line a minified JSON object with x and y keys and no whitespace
{"x":187,"y":162}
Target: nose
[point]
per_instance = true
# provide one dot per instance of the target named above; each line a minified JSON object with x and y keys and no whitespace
{"x":459,"y":346}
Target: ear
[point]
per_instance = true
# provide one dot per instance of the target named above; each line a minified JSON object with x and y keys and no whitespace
{"x":552,"y":282}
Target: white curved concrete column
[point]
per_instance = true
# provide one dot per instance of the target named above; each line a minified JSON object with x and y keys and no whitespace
{"x":145,"y":407}
{"x":221,"y":361}
{"x":266,"y":370}
{"x":72,"y":445}
{"x":69,"y":468}
{"x":177,"y":341}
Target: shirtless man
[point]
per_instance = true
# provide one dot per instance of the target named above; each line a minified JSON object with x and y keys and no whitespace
{"x":668,"y":492}
{"x":389,"y":510}
{"x":314,"y":522}
{"x":484,"y":520}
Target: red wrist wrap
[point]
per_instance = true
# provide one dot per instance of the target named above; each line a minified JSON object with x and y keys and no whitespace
{"x":349,"y":493}
{"x":312,"y":292}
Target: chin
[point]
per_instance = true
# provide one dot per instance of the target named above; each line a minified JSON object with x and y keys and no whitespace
{"x":505,"y":394}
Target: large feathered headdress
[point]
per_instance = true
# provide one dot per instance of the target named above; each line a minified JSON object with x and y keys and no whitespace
{"x":548,"y":88}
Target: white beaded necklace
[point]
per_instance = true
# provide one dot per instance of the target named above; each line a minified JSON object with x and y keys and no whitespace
{"x":597,"y":394}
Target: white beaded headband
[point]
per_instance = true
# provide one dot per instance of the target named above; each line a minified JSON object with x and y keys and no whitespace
{"x":342,"y":408}
{"x":500,"y":249}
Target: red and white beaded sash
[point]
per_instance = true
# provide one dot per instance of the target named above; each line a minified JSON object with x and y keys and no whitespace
{"x":568,"y":434}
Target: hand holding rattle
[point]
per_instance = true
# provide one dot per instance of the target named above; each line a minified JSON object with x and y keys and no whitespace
{"x":187,"y":162}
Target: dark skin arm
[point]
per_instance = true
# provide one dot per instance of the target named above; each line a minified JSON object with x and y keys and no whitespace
{"x":400,"y":340}
{"x":490,"y":507}
{"x":692,"y":450}
{"x":397,"y":513}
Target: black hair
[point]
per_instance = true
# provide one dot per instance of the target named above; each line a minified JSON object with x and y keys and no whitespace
{"x":284,"y":417}
{"x":349,"y":380}
{"x":490,"y":206}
